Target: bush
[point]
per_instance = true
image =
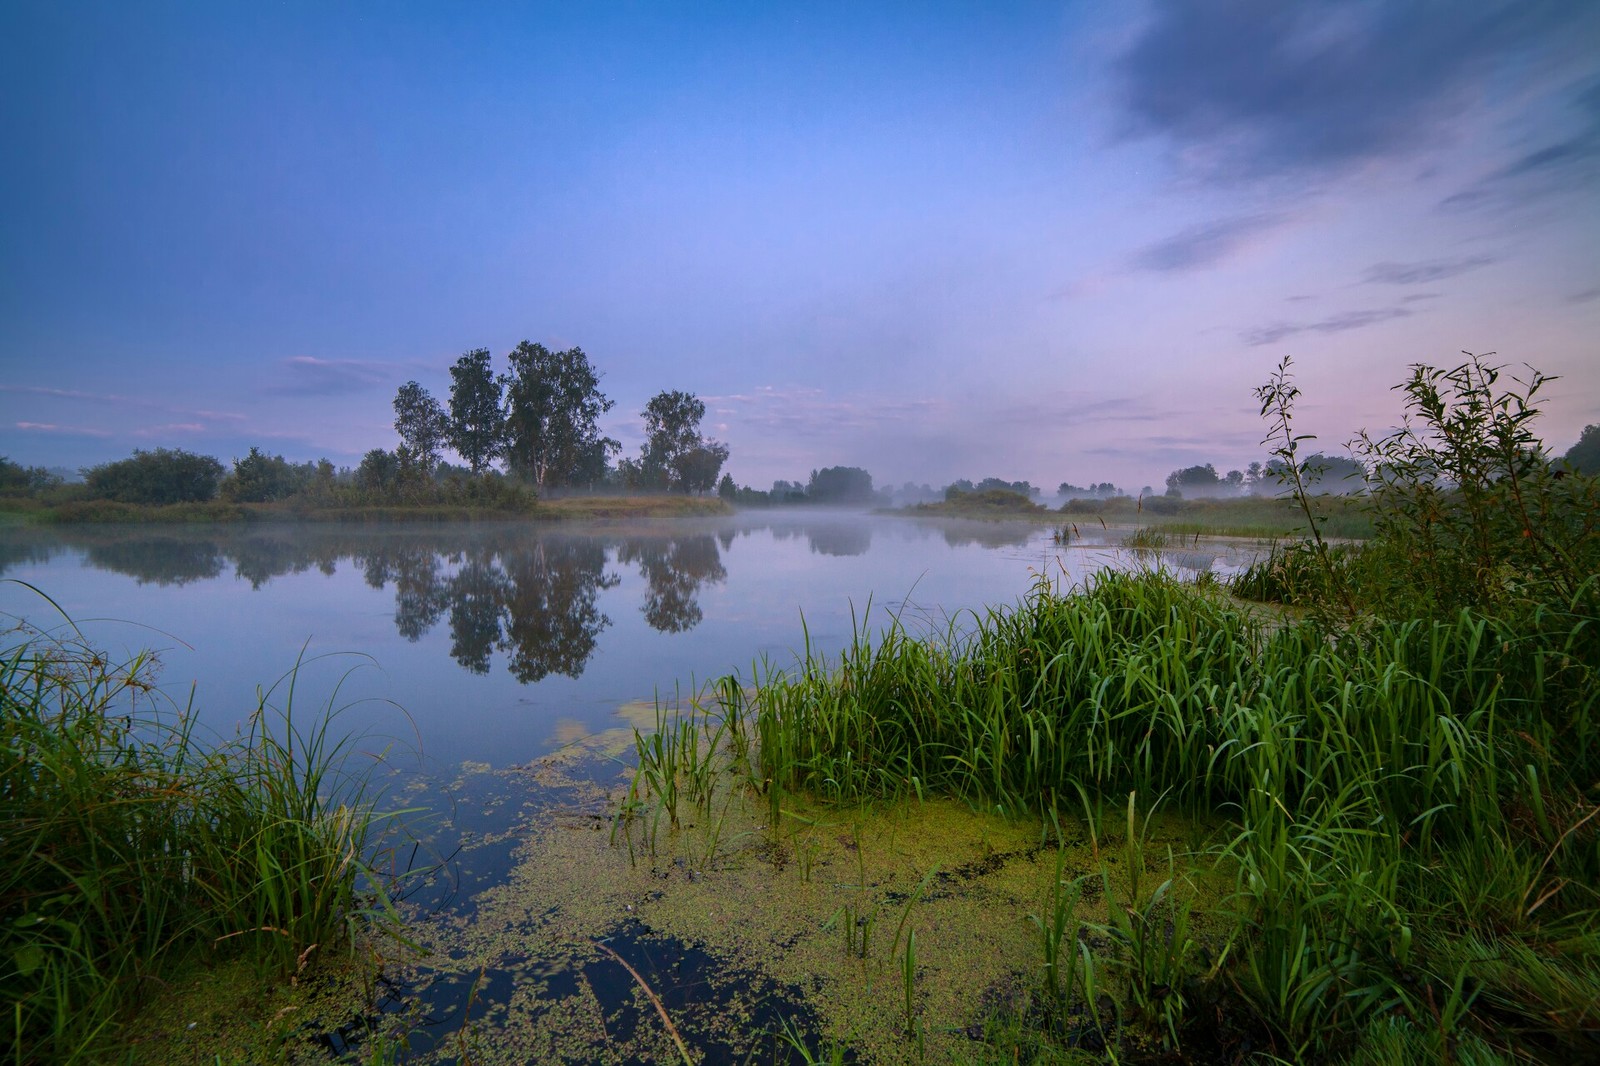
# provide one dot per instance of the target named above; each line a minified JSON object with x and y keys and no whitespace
{"x":130,"y":847}
{"x":261,"y":478}
{"x":166,"y":475}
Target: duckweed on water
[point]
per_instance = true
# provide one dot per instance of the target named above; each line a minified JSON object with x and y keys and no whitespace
{"x":741,"y":926}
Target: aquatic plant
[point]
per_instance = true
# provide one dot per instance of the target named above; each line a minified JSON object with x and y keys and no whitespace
{"x":132,"y":847}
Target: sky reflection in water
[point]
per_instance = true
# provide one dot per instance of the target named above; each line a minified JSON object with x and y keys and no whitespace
{"x":497,"y":641}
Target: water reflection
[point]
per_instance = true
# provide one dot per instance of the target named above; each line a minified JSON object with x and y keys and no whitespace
{"x":674,"y":570}
{"x":532,"y":596}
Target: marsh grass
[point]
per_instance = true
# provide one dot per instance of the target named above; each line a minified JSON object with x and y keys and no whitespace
{"x":1407,"y":770}
{"x":131,"y":847}
{"x":1370,"y":780}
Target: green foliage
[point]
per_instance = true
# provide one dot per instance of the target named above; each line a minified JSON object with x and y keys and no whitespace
{"x":840,"y":484}
{"x":675,"y":455}
{"x":1326,"y":473}
{"x":166,"y":475}
{"x":553,"y":407}
{"x":987,"y":503}
{"x":1468,"y":511}
{"x":1195,"y":479}
{"x":132,"y":848}
{"x":422,"y":425}
{"x":19,"y":480}
{"x":1584,"y":456}
{"x":262,"y":478}
{"x":1369,"y":784}
{"x":476,"y":426}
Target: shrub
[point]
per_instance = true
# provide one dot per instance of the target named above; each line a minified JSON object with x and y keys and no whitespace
{"x":166,"y":475}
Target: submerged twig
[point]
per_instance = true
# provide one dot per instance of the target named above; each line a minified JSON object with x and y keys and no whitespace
{"x":655,"y":1001}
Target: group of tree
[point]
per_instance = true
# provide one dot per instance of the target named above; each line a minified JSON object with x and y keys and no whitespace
{"x":1100,"y":490}
{"x":542,"y":418}
{"x":19,"y":480}
{"x":675,"y":456}
{"x":1326,"y":473}
{"x":963,"y":487}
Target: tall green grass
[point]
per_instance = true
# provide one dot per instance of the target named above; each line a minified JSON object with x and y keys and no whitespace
{"x":1411,"y":804}
{"x":130,"y":846}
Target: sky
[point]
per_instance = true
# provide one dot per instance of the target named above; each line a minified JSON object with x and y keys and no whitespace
{"x":1041,"y":241}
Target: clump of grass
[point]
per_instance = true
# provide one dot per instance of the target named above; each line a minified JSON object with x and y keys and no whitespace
{"x":1408,"y":772}
{"x":131,"y":848}
{"x":1146,"y":539}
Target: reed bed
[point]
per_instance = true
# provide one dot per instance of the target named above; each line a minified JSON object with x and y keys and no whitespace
{"x":1412,"y":808}
{"x":130,"y":847}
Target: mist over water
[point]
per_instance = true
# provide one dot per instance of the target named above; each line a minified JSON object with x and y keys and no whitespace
{"x":488,"y":642}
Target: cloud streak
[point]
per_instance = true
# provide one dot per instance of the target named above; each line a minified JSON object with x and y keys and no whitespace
{"x":1558,"y":168}
{"x":69,"y":431}
{"x":1423,"y":273}
{"x":1340,"y":323}
{"x":1246,"y":90}
{"x":1205,"y":245}
{"x":311,"y":376}
{"x":120,"y":400}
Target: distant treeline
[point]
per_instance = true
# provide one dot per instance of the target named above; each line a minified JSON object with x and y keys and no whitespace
{"x":533,"y":429}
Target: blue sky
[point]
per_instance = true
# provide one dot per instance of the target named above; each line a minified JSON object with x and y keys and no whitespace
{"x":1042,"y":241}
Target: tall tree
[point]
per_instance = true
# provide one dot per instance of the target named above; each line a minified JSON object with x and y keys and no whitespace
{"x":553,"y":409}
{"x":675,"y":455}
{"x":477,"y":425}
{"x":1584,"y":456}
{"x":421,"y":423}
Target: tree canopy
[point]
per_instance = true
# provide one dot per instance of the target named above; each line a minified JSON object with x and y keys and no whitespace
{"x":1584,"y":456}
{"x":422,"y":425}
{"x":675,"y":454}
{"x":166,"y":475}
{"x":840,"y":484}
{"x":260,"y":478}
{"x":476,"y":424}
{"x":553,"y":407}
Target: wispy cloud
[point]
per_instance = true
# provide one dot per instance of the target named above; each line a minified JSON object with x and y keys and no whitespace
{"x":67,"y":431}
{"x":1205,"y":245}
{"x":1423,"y":273}
{"x":122,"y":400}
{"x":1244,"y":90}
{"x":1585,"y":296}
{"x":308,"y":375}
{"x":1569,"y":165}
{"x":1340,"y":323}
{"x":170,"y":428}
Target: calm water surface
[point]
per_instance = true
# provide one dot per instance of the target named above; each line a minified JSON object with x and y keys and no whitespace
{"x":497,"y":640}
{"x":488,"y":646}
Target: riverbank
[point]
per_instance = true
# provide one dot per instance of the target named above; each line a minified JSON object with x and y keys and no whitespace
{"x":559,"y":509}
{"x":136,"y":851}
{"x":1342,"y":517}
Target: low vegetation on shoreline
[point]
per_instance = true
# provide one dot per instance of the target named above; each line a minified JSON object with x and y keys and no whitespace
{"x":1407,"y":768}
{"x":133,"y":849}
{"x":564,"y":508}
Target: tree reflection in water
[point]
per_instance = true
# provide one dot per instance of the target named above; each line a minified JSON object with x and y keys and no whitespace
{"x":533,"y":596}
{"x":674,"y":568}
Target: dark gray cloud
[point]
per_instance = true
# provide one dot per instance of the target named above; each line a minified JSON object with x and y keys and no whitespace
{"x":1340,"y":323}
{"x":1247,"y":89}
{"x":1204,"y":245}
{"x":310,"y":376}
{"x":1585,"y":296}
{"x":1425,"y":272}
{"x":1568,"y":165}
